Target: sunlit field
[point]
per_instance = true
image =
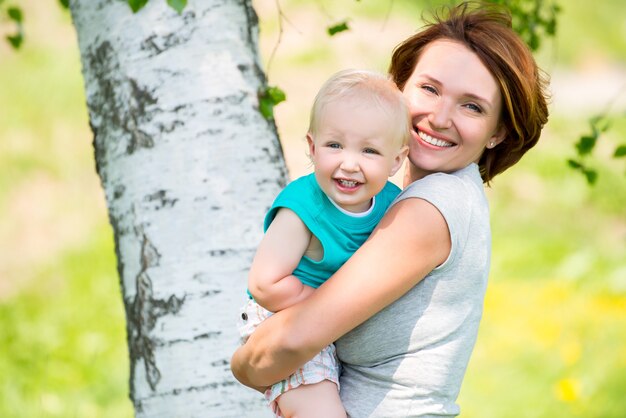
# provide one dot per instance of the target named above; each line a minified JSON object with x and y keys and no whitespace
{"x":553,"y":338}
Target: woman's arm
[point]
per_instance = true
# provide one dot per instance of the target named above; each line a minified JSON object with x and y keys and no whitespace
{"x":270,"y":280}
{"x":410,"y":241}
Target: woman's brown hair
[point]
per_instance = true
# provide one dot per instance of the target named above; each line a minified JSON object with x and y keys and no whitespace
{"x":486,"y":30}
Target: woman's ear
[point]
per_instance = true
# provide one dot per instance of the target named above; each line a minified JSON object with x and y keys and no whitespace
{"x":398,"y":160}
{"x":497,"y":137}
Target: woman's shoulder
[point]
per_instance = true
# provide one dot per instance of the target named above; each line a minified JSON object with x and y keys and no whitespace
{"x":462,"y":185}
{"x":460,"y":198}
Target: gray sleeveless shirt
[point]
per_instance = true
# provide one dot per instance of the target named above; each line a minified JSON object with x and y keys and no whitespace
{"x":409,"y":359}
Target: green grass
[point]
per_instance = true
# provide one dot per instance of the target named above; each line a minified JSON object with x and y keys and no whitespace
{"x":63,"y":350}
{"x":547,"y":349}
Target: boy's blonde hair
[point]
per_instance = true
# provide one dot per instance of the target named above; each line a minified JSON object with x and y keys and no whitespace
{"x":373,"y":89}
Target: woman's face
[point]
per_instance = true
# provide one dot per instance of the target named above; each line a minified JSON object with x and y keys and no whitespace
{"x":455,"y":106}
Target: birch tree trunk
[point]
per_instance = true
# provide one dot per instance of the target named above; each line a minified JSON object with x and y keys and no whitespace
{"x":189,"y":167}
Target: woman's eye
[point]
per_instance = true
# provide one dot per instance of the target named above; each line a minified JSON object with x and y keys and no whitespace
{"x":474,"y":107}
{"x":429,"y":88}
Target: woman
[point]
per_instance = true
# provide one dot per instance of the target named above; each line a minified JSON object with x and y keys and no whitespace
{"x":404,"y":310}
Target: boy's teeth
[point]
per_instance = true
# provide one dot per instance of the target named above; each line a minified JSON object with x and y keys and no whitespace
{"x":347,"y":183}
{"x":434,"y":141}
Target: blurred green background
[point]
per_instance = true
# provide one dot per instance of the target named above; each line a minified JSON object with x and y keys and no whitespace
{"x":553,"y":338}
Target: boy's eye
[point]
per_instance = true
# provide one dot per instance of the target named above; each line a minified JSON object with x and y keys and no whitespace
{"x":334,"y":145}
{"x":370,"y":151}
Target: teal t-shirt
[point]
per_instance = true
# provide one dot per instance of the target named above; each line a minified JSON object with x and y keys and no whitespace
{"x":339,"y":233}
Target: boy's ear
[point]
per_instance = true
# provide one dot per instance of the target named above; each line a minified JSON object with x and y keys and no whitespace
{"x":398,"y":160}
{"x":309,"y":139}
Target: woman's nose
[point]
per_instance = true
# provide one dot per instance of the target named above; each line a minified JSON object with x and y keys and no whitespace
{"x":440,"y":116}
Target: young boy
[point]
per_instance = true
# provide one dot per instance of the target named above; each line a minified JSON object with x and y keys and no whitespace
{"x":358,"y":135}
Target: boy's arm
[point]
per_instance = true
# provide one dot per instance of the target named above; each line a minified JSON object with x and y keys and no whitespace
{"x":270,"y":280}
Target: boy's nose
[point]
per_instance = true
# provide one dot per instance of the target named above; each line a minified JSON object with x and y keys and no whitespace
{"x":350,"y":163}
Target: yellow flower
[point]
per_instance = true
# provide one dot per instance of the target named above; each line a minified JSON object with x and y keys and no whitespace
{"x":567,"y":390}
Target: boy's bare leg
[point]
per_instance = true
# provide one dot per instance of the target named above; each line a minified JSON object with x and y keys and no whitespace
{"x":312,"y":401}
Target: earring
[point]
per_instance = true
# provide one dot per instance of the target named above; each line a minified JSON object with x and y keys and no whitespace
{"x":492,"y":144}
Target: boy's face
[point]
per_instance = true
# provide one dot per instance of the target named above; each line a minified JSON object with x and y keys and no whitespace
{"x":353,"y":152}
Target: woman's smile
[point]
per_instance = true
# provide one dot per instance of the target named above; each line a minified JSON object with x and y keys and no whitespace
{"x":441,"y":143}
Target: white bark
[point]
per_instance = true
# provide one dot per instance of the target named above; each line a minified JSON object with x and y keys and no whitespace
{"x":189,"y":167}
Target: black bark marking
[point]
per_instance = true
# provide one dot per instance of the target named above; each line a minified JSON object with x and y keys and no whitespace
{"x":151,"y":46}
{"x":205,"y":336}
{"x":157,"y":44}
{"x":172,"y":126}
{"x":211,"y":132}
{"x":142,"y":99}
{"x":117,"y":233}
{"x":230,"y":252}
{"x":112,"y":91}
{"x":160,"y":199}
{"x":101,"y":62}
{"x":143,"y":312}
{"x":220,"y":362}
{"x":208,"y":335}
{"x":138,"y":139}
{"x":118,"y":191}
{"x":210,"y":293}
{"x":202,"y":388}
{"x":231,"y":99}
{"x":251,"y":39}
{"x":142,"y":96}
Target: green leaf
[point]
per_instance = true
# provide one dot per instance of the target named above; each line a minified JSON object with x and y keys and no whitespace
{"x":276,"y":94}
{"x":339,"y":27}
{"x":15,"y":14}
{"x":551,"y":27}
{"x":15,"y":40}
{"x":177,"y":5}
{"x":65,"y":3}
{"x":266,"y":108}
{"x":591,"y":176}
{"x":574,"y":164}
{"x":620,"y":151}
{"x":268,"y":98}
{"x":586,"y":144}
{"x":136,"y":5}
{"x":599,"y":124}
{"x":534,"y":42}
